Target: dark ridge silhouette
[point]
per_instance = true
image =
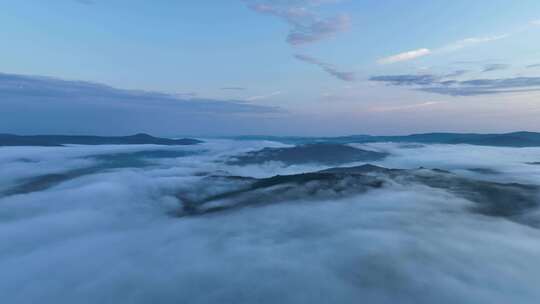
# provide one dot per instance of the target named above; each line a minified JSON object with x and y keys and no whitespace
{"x":487,"y":171}
{"x":327,"y":154}
{"x":508,"y":200}
{"x":60,"y":140}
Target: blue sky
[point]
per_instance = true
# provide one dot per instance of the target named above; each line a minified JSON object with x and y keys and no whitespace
{"x":313,"y":67}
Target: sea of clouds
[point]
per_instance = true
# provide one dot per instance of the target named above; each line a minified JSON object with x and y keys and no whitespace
{"x":112,"y":235}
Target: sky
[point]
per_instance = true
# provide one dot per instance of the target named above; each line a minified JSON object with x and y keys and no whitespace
{"x":270,"y":67}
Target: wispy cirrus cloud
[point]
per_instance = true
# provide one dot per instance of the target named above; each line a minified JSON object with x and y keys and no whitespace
{"x":318,"y":30}
{"x":456,"y":73}
{"x":404,"y":107}
{"x":40,"y":89}
{"x":439,"y":85}
{"x":185,"y":95}
{"x":86,"y":2}
{"x":327,"y":67}
{"x":487,"y":86}
{"x":422,"y":52}
{"x":406,"y":79}
{"x":44,"y":104}
{"x":233,"y":89}
{"x":265,"y":96}
{"x":405,"y":56}
{"x":495,"y":67}
{"x":305,"y":25}
{"x":460,"y":44}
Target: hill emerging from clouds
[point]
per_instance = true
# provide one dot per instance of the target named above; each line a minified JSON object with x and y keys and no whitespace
{"x":321,"y":153}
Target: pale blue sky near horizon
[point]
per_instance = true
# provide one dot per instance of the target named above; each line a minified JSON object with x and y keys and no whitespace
{"x":299,"y":67}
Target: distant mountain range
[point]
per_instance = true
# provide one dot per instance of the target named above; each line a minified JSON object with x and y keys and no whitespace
{"x":59,"y":140}
{"x":515,"y":139}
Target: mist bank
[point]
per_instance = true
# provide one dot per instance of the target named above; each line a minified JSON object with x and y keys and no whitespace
{"x":101,"y":224}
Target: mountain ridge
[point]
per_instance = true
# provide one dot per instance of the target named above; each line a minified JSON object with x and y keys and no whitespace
{"x":61,"y":140}
{"x":511,"y":139}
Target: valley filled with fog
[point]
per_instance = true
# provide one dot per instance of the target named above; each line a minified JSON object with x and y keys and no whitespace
{"x":243,"y":221}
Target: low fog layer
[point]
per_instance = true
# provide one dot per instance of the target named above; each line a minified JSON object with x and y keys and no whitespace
{"x":111,"y":232}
